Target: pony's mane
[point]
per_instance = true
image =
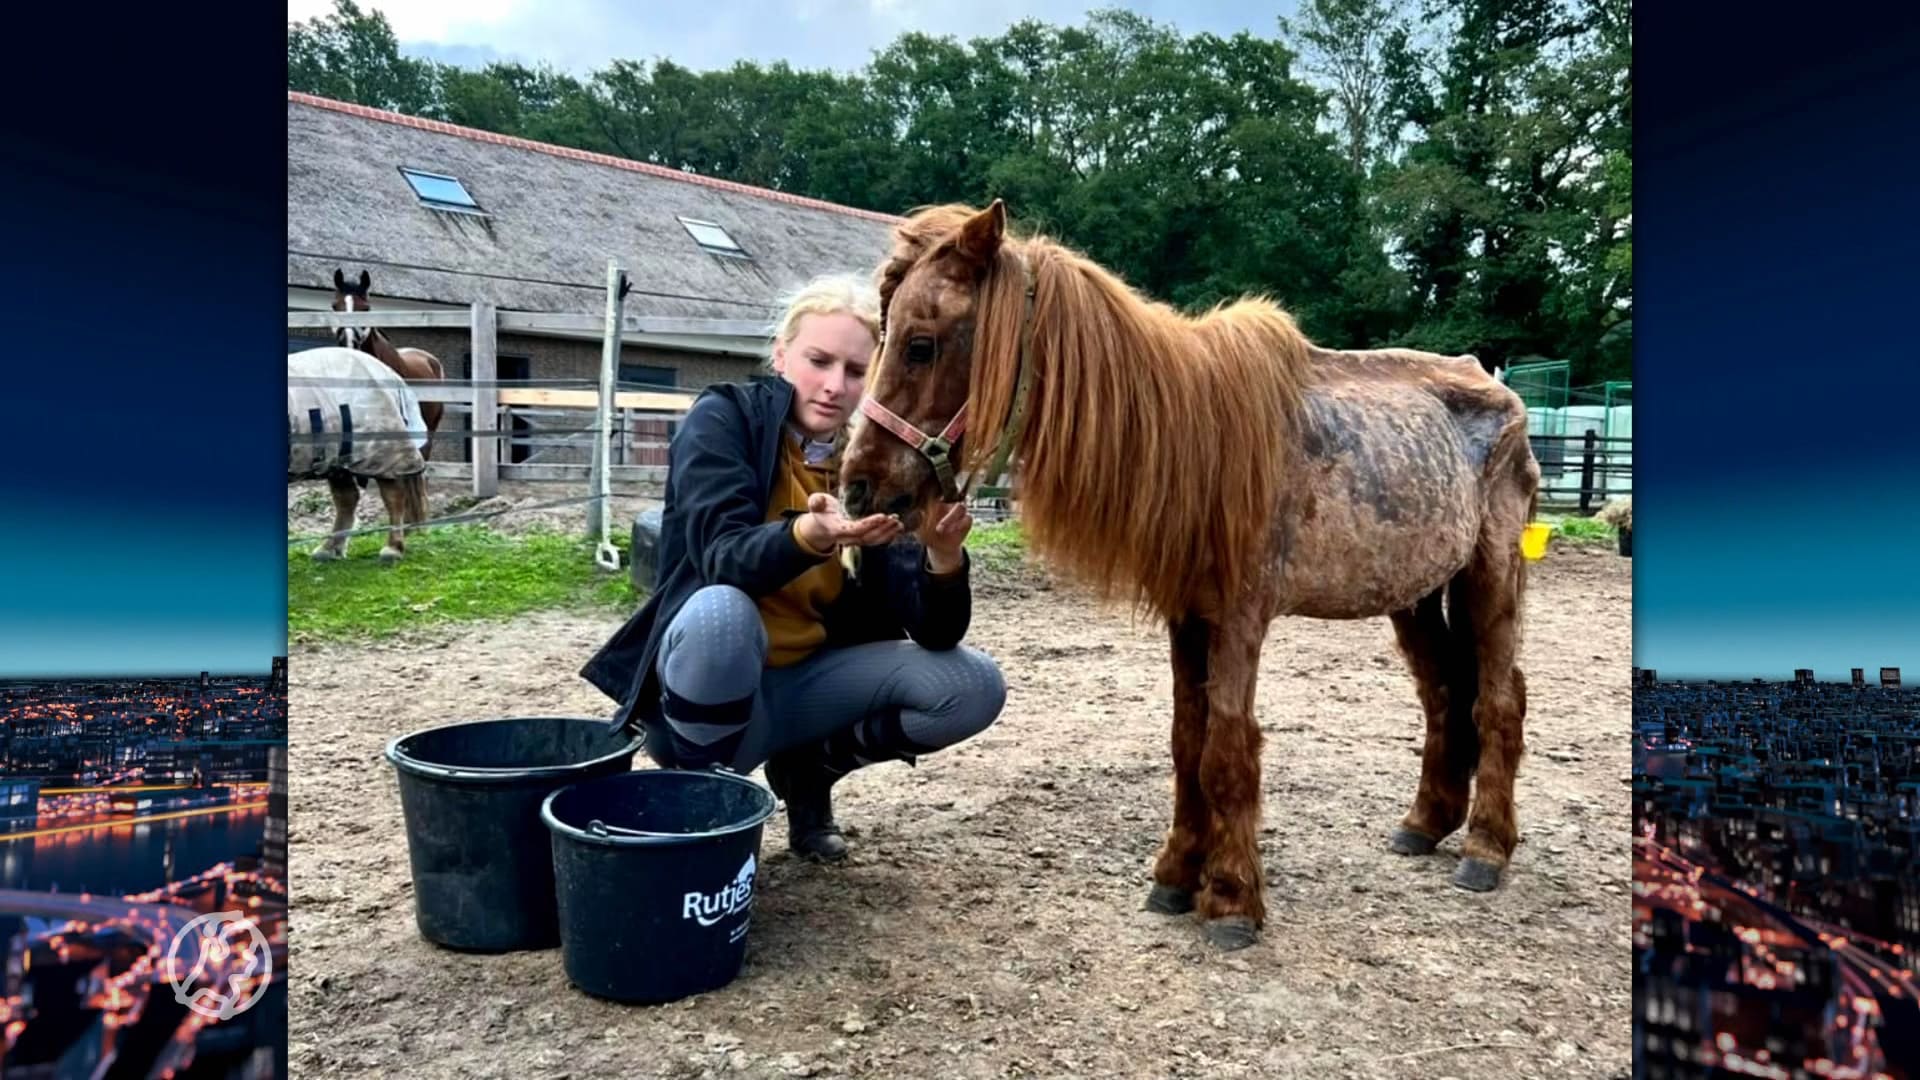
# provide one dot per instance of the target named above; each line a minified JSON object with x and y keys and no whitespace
{"x":1154,"y":442}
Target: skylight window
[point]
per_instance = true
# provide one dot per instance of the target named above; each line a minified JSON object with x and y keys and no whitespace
{"x":713,"y":238}
{"x":440,"y":192}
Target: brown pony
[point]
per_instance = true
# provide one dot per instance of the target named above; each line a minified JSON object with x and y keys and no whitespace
{"x":1220,"y":472}
{"x":408,"y":505}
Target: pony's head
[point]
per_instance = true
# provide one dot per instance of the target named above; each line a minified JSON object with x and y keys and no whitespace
{"x":933,"y":288}
{"x":347,"y":297}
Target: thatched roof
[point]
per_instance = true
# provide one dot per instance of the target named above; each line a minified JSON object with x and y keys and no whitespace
{"x":552,"y":218}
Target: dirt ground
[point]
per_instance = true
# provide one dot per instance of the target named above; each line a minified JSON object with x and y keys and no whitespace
{"x":989,"y":923}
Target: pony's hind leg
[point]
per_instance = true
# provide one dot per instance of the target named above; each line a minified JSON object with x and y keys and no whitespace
{"x":346,"y":499}
{"x":1453,"y":744}
{"x":1495,"y":583}
{"x":1232,"y":899}
{"x":1176,"y":873}
{"x":394,"y":494}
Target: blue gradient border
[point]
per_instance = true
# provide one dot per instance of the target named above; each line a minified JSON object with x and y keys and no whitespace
{"x":142,"y":187}
{"x":1777,"y":368}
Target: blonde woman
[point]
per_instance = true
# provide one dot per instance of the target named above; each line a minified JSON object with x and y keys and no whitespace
{"x":756,"y":646}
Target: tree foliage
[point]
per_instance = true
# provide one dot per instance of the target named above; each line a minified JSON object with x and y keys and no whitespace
{"x":1457,"y":178}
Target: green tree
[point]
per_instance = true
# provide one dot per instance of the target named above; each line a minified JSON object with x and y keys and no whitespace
{"x":1501,"y":210}
{"x":351,"y":55}
{"x":1345,"y":45}
{"x":1469,"y":191}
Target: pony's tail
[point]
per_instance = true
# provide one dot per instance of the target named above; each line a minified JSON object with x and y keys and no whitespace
{"x":414,"y":490}
{"x":1463,"y":644}
{"x":1520,"y":579}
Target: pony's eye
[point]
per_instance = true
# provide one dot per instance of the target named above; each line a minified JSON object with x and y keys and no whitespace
{"x":920,"y":350}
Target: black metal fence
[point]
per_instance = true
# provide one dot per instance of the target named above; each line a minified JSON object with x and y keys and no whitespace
{"x":1584,"y":469}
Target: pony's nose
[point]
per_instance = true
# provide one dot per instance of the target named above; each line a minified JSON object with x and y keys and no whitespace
{"x":859,"y":498}
{"x":901,"y":503}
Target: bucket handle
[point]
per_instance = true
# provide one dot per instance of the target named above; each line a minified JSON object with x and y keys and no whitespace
{"x":596,"y":827}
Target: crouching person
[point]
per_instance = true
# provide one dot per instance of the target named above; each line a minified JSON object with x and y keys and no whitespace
{"x":757,"y":646}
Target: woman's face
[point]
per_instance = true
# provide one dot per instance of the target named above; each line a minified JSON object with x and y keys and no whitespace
{"x":826,"y":360}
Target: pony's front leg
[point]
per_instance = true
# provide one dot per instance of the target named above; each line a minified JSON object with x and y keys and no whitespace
{"x":346,"y":499}
{"x":1176,"y":873}
{"x":1233,"y":900}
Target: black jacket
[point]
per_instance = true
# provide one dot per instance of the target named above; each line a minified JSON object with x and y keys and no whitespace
{"x":714,"y":531}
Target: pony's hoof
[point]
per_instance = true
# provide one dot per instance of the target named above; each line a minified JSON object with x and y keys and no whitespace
{"x":323,"y":555}
{"x":1407,"y":842}
{"x":390,"y":556}
{"x":1230,"y":932}
{"x":1477,"y":875}
{"x":1168,"y":900}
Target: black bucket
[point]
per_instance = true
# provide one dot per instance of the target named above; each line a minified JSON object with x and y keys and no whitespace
{"x":471,"y":793}
{"x":655,"y":871}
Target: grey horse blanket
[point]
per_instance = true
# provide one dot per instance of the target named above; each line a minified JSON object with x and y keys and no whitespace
{"x":348,"y":411}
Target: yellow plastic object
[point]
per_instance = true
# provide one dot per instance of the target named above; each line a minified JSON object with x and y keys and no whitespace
{"x":1533,"y":542}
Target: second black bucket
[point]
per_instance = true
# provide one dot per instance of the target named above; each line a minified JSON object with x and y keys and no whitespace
{"x":655,"y":871}
{"x":471,"y":793}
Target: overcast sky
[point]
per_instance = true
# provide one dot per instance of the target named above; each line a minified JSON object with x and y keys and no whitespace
{"x":581,"y":36}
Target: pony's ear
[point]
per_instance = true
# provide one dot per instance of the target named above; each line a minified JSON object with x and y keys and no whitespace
{"x":980,"y":237}
{"x":365,"y":280}
{"x":339,"y":280}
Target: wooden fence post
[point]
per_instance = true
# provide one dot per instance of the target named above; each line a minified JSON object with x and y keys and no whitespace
{"x":486,"y":402}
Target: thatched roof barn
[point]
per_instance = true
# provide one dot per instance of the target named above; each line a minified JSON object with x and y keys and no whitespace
{"x":441,"y":216}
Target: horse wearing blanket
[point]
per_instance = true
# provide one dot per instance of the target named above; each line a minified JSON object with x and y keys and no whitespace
{"x":1221,"y":471}
{"x":351,"y":419}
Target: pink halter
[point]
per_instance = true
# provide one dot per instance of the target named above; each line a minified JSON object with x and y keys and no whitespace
{"x":936,"y":448}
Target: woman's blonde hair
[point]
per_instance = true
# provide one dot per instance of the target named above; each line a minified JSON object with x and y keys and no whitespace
{"x":828,"y":294}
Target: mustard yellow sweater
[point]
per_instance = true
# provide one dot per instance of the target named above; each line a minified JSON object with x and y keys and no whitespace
{"x":794,"y":615}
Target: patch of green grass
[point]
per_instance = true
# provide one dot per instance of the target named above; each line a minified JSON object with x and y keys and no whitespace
{"x":460,"y":573}
{"x":451,"y":574}
{"x":998,"y":545}
{"x":1580,"y":530}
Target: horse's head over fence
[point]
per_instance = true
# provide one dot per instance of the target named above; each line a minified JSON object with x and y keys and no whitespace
{"x":941,"y":290}
{"x":350,"y":297}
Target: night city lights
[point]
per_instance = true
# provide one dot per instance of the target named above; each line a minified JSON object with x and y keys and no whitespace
{"x":130,"y":809}
{"x":1776,"y":911}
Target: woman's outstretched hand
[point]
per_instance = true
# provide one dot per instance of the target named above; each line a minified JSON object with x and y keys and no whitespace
{"x":826,"y":527}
